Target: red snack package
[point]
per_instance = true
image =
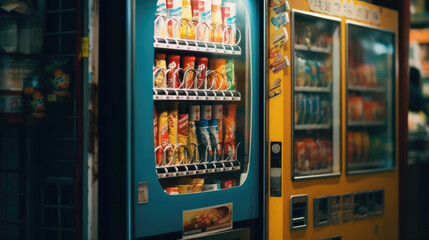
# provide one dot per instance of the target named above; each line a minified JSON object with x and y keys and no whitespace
{"x":173,"y":62}
{"x":189,"y":63}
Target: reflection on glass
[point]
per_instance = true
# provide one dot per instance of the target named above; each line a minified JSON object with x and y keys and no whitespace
{"x":370,"y":103}
{"x":316,"y":78}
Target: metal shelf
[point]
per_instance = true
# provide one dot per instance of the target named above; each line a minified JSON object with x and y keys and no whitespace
{"x":195,"y":95}
{"x":312,"y":89}
{"x":366,"y":89}
{"x":300,"y":47}
{"x":366,"y":123}
{"x":312,"y":126}
{"x":197,"y":169}
{"x":196,"y":46}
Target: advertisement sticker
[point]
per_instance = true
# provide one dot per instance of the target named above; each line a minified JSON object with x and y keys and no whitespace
{"x":206,"y":221}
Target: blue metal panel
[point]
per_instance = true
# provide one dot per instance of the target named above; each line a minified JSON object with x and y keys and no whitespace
{"x":163,"y":213}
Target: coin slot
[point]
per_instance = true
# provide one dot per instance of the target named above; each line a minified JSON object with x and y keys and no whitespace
{"x":321,"y":211}
{"x":298,"y":212}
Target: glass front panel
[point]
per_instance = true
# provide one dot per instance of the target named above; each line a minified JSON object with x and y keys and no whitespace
{"x":370,"y":103}
{"x":316,"y":96}
{"x":201,"y":92}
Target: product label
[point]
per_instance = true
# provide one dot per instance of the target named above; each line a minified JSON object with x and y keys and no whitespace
{"x":206,"y":221}
{"x":10,"y":104}
{"x":183,"y":124}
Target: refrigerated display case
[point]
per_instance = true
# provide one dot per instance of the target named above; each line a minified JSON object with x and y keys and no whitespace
{"x":193,"y":121}
{"x":316,"y":74}
{"x":316,"y":186}
{"x":370,"y":98}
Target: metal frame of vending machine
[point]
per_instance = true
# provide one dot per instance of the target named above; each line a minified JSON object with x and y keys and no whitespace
{"x":153,"y":209}
{"x":323,"y":184}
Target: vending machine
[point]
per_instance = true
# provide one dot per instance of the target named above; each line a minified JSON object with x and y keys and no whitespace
{"x":332,"y":121}
{"x":194,"y":119}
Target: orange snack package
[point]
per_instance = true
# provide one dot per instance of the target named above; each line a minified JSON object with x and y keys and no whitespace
{"x":221,"y":80}
{"x":230,"y":126}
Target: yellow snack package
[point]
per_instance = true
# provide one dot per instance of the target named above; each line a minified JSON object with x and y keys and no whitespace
{"x":187,"y":30}
{"x":172,"y":125}
{"x":196,"y":185}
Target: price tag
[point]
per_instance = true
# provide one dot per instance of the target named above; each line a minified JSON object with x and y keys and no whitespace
{"x":228,"y":169}
{"x":219,"y":169}
{"x":192,"y":172}
{"x":211,"y":98}
{"x":211,"y":170}
{"x":228,"y":98}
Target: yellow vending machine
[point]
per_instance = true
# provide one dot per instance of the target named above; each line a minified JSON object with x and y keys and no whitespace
{"x":331,"y":120}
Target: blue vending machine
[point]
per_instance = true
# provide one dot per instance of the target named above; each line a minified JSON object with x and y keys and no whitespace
{"x":194,"y":119}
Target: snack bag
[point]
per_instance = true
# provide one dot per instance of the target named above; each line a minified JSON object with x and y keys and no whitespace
{"x":221,"y":80}
{"x":174,"y":10}
{"x":159,"y":77}
{"x":196,"y":185}
{"x":192,"y":138}
{"x":155,"y":127}
{"x":229,"y":18}
{"x":202,"y":68}
{"x":189,"y":63}
{"x":216,"y":20}
{"x":182,"y":135}
{"x":59,"y":80}
{"x":161,"y":10}
{"x":205,"y":15}
{"x":214,"y":138}
{"x":314,"y":155}
{"x":218,"y":113}
{"x":186,"y":18}
{"x":172,"y":125}
{"x":308,"y":153}
{"x":203,"y":135}
{"x":299,"y":155}
{"x":173,"y":80}
{"x":350,"y":146}
{"x":230,"y":127}
{"x":163,"y":139}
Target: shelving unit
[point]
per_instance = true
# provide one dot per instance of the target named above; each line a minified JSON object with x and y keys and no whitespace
{"x":367,"y":89}
{"x":196,"y":46}
{"x":313,"y":126}
{"x":366,"y":123}
{"x":312,"y":89}
{"x":312,"y":49}
{"x":198,"y":168}
{"x":195,"y":95}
